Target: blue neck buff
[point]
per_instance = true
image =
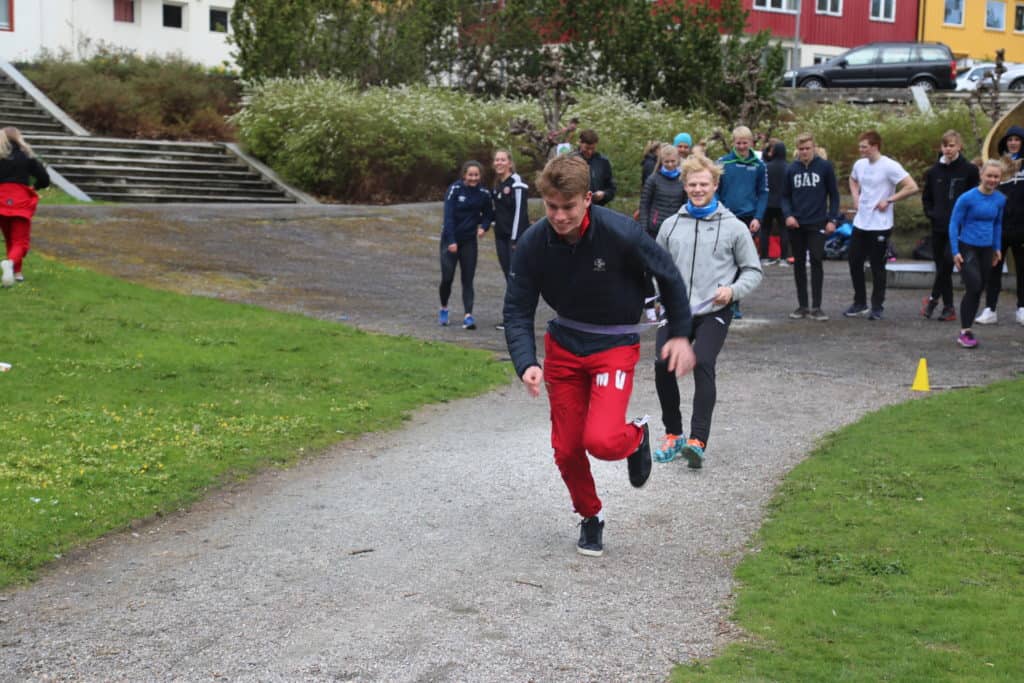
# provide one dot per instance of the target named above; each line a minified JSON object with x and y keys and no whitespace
{"x":672,"y":175}
{"x":702,"y":211}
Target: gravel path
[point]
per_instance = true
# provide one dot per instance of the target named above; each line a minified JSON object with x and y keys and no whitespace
{"x":444,"y":551}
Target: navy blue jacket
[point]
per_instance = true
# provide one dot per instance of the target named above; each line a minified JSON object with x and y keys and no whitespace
{"x":465,"y":209}
{"x":1013,"y":188}
{"x":811,"y":193}
{"x":599,"y":280}
{"x":510,"y":216}
{"x":776,"y":167}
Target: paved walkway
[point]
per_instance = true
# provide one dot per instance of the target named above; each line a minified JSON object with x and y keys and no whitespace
{"x":444,"y":551}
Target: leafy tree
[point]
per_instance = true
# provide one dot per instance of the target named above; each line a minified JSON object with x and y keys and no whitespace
{"x":685,"y":52}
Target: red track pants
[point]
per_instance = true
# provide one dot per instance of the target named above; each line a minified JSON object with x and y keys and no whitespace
{"x":17,"y":232}
{"x":589,"y":396}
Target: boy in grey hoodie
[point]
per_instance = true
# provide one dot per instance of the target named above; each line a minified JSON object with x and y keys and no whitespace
{"x":715,"y":254}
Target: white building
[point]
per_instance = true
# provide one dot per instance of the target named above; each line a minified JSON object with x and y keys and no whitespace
{"x":195,"y":29}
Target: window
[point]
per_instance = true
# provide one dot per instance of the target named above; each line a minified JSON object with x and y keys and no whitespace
{"x":776,"y":5}
{"x":174,"y":16}
{"x":896,"y":55}
{"x":954,"y":13}
{"x":883,"y":10}
{"x":834,"y":7}
{"x":218,"y":20}
{"x":1018,"y":18}
{"x":6,"y":15}
{"x":932,"y":53}
{"x":995,"y":15}
{"x":862,"y":57}
{"x":124,"y":10}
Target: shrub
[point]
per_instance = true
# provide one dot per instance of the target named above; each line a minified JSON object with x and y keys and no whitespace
{"x":379,"y":144}
{"x":119,"y":94}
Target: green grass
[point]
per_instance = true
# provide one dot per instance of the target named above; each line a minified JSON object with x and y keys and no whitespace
{"x":124,"y":402}
{"x":54,"y":195}
{"x":894,"y":553}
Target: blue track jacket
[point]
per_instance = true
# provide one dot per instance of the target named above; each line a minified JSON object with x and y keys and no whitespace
{"x":465,"y":209}
{"x":744,"y":186}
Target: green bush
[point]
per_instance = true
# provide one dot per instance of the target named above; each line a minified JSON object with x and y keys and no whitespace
{"x":379,"y":144}
{"x":119,"y":94}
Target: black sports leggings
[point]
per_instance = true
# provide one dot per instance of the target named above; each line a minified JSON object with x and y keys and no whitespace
{"x":995,"y":278}
{"x":465,"y":258}
{"x":975,"y":272}
{"x":708,"y":337}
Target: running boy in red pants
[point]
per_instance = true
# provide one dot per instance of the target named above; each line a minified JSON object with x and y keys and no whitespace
{"x":590,"y":264}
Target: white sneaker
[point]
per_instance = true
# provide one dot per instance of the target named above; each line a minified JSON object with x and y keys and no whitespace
{"x":7,"y":278}
{"x":987,"y":317}
{"x":1020,"y":316}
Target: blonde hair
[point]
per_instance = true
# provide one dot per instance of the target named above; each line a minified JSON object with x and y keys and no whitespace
{"x":998,"y":163}
{"x":565,"y":175}
{"x":13,"y":137}
{"x":652,"y":146}
{"x":5,"y":145}
{"x":952,"y":136}
{"x":664,"y":151}
{"x":511,"y":161}
{"x":804,"y":138}
{"x":695,"y":163}
{"x":742,"y":132}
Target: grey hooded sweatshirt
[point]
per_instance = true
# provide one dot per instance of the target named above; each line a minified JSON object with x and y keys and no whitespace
{"x":711,"y":252}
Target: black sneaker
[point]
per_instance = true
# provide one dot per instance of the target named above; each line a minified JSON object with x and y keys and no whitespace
{"x":928,"y":306}
{"x":875,"y":314}
{"x":639,"y":463}
{"x":800,"y":313}
{"x":591,"y":529}
{"x":857,"y":311}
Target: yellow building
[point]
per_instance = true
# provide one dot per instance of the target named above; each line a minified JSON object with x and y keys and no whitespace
{"x":974,"y":28}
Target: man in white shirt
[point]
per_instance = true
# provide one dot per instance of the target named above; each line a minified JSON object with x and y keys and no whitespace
{"x":876,"y":183}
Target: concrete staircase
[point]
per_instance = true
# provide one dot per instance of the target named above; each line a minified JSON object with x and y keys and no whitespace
{"x":127,"y":170}
{"x":20,"y":110}
{"x":118,"y":170}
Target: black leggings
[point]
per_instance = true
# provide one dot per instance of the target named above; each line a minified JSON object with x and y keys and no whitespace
{"x":465,"y":258}
{"x":975,"y":272}
{"x":504,"y":247}
{"x":808,"y":239}
{"x":868,"y":245}
{"x":708,"y":337}
{"x":995,"y":278}
{"x":773,"y":218}
{"x":943,"y":285}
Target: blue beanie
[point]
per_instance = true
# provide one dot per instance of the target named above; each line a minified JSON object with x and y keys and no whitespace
{"x":683,"y":139}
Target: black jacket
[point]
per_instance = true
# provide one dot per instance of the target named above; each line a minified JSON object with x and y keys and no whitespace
{"x":601,"y":179}
{"x":1013,"y":188}
{"x":647,"y":167}
{"x":20,"y":168}
{"x":776,"y":167}
{"x":510,"y":215}
{"x":599,"y":280}
{"x":811,"y":193}
{"x":661,"y":198}
{"x":943,"y":184}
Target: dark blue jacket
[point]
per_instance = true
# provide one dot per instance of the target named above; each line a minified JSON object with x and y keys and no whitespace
{"x":775,"y":168}
{"x":743,"y":187}
{"x":601,"y":178}
{"x":599,"y":280}
{"x":465,"y":209}
{"x":20,"y":168}
{"x":811,"y":193}
{"x":1013,"y":188}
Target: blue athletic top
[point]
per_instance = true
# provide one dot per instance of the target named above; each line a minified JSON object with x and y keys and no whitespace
{"x":977,"y":220}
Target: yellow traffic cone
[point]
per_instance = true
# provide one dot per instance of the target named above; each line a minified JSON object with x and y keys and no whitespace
{"x":921,"y":378}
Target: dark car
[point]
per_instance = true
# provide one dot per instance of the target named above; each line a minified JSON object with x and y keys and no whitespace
{"x":882,"y":65}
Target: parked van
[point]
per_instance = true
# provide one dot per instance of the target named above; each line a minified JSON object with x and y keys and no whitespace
{"x":882,"y":65}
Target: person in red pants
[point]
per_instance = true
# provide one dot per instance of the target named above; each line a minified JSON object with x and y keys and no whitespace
{"x":18,"y":200}
{"x":590,"y":264}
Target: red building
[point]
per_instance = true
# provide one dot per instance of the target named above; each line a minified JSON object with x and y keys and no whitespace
{"x":829,"y":27}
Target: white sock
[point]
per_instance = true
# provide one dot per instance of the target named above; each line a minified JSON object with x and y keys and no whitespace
{"x":600,"y":515}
